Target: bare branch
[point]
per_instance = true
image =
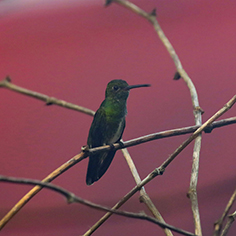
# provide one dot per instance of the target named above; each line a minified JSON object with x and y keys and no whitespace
{"x":160,"y":170}
{"x":165,"y":134}
{"x":230,"y":221}
{"x":6,"y":83}
{"x":143,"y":195}
{"x":151,"y":17}
{"x":219,"y":222}
{"x":133,"y":142}
{"x":37,"y":188}
{"x":71,"y":198}
{"x":143,"y":198}
{"x":224,"y":109}
{"x":197,"y":111}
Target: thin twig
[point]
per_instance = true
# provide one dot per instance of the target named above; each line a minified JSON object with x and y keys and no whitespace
{"x":165,"y":134}
{"x":51,"y":100}
{"x":71,"y":198}
{"x":219,"y":222}
{"x":224,"y":109}
{"x":37,"y":188}
{"x":160,"y":170}
{"x":197,"y":111}
{"x":230,"y":221}
{"x":68,"y":164}
{"x":144,"y":197}
{"x":6,"y":83}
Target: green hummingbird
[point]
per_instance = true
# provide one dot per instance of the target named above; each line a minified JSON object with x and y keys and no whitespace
{"x":107,"y":127}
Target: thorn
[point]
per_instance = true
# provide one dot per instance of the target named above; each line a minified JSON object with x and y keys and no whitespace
{"x":107,"y":2}
{"x":49,"y":102}
{"x":70,"y":199}
{"x":153,"y":12}
{"x":177,"y":76}
{"x":85,"y":148}
{"x":158,"y":171}
{"x":141,"y":200}
{"x":199,"y":109}
{"x":8,"y":79}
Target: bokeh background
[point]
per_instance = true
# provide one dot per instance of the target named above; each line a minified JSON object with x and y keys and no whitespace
{"x":70,"y":50}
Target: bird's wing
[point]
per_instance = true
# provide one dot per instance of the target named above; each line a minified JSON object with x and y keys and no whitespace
{"x":98,"y":163}
{"x":96,"y":133}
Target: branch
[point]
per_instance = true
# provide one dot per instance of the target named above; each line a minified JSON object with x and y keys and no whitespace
{"x":83,"y":155}
{"x":37,"y":188}
{"x":219,"y":222}
{"x":231,"y":219}
{"x":197,"y":111}
{"x":6,"y":83}
{"x":165,"y":134}
{"x":144,"y":198}
{"x":169,"y":133}
{"x":71,"y":198}
{"x":160,"y":170}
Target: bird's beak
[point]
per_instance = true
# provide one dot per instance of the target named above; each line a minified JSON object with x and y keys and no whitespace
{"x":136,"y":86}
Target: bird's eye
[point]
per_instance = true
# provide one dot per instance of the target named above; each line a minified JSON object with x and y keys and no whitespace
{"x":115,"y":88}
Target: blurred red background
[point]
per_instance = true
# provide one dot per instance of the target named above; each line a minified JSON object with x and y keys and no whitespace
{"x":70,"y":50}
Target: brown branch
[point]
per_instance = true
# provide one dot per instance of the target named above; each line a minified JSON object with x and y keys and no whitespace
{"x":230,"y":221}
{"x":6,"y":83}
{"x":74,"y":160}
{"x":197,"y":111}
{"x":224,"y":109}
{"x":37,"y":188}
{"x":143,"y":194}
{"x":160,"y":170}
{"x":219,"y":222}
{"x":72,"y":198}
{"x":81,"y":156}
{"x":151,"y":17}
{"x":165,"y":134}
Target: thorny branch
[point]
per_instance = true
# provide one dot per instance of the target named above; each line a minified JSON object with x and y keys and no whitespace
{"x":197,"y":111}
{"x":6,"y":83}
{"x":231,"y":219}
{"x":79,"y":157}
{"x":51,"y":100}
{"x":164,"y":134}
{"x":143,"y":195}
{"x":71,"y":198}
{"x":219,"y":222}
{"x":37,"y":188}
{"x":160,"y":170}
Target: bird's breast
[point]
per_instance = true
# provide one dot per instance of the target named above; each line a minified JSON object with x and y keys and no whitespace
{"x":117,"y":131}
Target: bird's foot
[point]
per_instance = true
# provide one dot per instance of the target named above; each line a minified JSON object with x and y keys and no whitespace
{"x":121,"y":143}
{"x":112,"y":146}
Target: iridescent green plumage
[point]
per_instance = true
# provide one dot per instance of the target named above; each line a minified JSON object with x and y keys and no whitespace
{"x":107,"y":127}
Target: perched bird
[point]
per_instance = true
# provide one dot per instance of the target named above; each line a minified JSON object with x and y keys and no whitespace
{"x":107,"y":127}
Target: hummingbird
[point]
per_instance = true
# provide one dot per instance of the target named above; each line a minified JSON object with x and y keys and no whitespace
{"x":107,"y":127}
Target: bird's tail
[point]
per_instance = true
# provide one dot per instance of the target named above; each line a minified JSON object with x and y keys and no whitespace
{"x":98,"y":165}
